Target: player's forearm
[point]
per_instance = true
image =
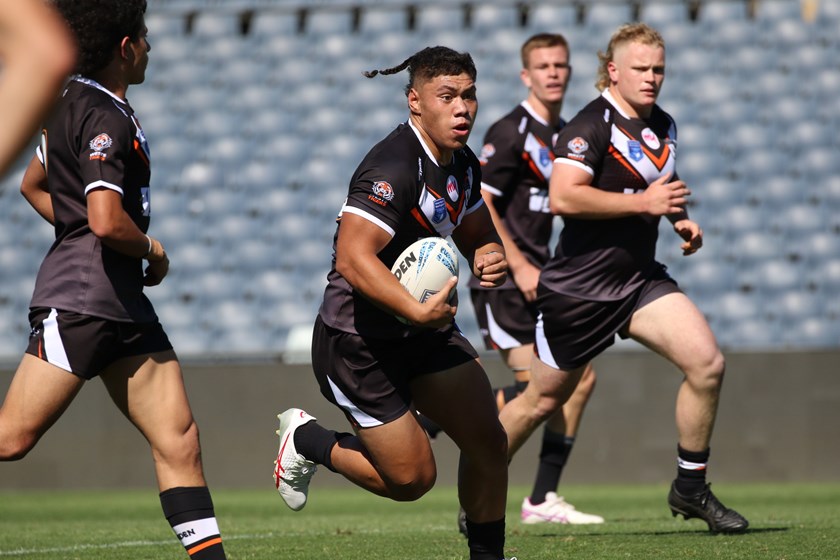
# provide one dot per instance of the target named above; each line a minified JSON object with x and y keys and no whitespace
{"x":589,"y":203}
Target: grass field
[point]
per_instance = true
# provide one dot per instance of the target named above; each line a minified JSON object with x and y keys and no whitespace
{"x":788,"y":522}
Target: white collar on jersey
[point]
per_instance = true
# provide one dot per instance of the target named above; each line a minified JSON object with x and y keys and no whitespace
{"x":533,"y":113}
{"x":93,"y":83}
{"x":608,"y":96}
{"x":423,"y":143}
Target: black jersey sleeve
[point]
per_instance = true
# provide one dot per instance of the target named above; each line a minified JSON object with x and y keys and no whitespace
{"x":384,"y":193}
{"x":105,"y":142}
{"x":585,"y":140}
{"x":501,"y":157}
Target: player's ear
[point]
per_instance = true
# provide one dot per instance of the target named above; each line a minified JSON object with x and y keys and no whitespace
{"x":414,"y":101}
{"x":525,"y":76}
{"x":125,"y":51}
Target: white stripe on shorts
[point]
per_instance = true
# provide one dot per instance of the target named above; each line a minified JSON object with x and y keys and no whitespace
{"x":543,"y":350}
{"x":497,"y":334}
{"x":364,"y":420}
{"x":53,"y":345}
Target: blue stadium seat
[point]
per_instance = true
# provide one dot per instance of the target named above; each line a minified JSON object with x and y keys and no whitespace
{"x":434,"y":18}
{"x":328,"y":21}
{"x":376,"y":20}
{"x":551,"y":17}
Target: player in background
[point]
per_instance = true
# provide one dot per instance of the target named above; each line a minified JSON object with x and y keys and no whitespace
{"x":516,"y":166}
{"x":89,"y":315}
{"x":614,"y":178}
{"x":36,"y":54}
{"x":421,"y":180}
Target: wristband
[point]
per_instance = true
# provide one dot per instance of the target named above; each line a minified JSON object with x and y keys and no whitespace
{"x":149,"y":250}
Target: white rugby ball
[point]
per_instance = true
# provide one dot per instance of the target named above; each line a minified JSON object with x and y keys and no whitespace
{"x":425,"y":267}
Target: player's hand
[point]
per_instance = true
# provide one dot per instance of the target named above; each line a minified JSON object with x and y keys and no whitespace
{"x":156,"y":271}
{"x":491,"y":269}
{"x":691,"y":234}
{"x":664,"y":197}
{"x":526,"y":278}
{"x":437,"y":311}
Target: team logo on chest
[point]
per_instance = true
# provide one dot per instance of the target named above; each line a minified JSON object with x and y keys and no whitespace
{"x":99,"y":144}
{"x":439,"y":210}
{"x":452,"y":188}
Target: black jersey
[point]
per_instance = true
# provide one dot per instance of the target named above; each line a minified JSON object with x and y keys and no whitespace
{"x":92,"y":140}
{"x":401,"y":188}
{"x":516,"y":162}
{"x":606,"y":260}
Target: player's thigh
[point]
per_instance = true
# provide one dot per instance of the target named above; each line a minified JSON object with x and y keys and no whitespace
{"x":675,"y":328}
{"x":460,"y":399}
{"x":518,"y":359}
{"x":149,"y":390}
{"x":38,"y":394}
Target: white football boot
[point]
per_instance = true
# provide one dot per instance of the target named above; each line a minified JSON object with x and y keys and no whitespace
{"x":556,"y":510}
{"x":292,"y":471}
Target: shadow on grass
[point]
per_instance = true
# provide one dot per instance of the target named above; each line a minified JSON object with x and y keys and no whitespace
{"x":705,"y":533}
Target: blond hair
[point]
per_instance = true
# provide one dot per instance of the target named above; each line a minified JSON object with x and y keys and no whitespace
{"x":627,"y":33}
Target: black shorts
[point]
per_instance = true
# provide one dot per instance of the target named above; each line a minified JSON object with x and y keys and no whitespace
{"x":505,"y":319}
{"x":572,"y":331}
{"x":85,"y":345}
{"x":369,"y":379}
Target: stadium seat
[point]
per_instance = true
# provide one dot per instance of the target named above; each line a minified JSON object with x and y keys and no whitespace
{"x":328,"y":21}
{"x":163,"y":24}
{"x":607,"y":16}
{"x":212,"y":24}
{"x":664,"y":14}
{"x":379,"y":20}
{"x":434,"y":18}
{"x":714,"y":12}
{"x":486,"y":18}
{"x":551,"y":18}
{"x":270,"y":23}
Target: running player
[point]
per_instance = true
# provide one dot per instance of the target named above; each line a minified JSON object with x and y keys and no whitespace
{"x":421,"y":180}
{"x":37,"y":53}
{"x":614,"y":177}
{"x":89,"y":315}
{"x":516,"y":165}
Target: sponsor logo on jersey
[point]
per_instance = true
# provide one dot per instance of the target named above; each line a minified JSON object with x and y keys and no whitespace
{"x":651,"y":139}
{"x":452,"y":188}
{"x":99,"y":144}
{"x":487,"y":151}
{"x":634,"y":150}
{"x":440,"y":210}
{"x":382,"y":193}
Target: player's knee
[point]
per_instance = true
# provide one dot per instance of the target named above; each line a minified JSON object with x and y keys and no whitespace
{"x":409,"y":490}
{"x":708,"y":374}
{"x":181,"y":448}
{"x":16,"y":448}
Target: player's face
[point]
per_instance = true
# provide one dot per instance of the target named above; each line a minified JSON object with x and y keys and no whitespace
{"x":140,"y":50}
{"x":444,"y":109}
{"x":547,"y":74}
{"x":636,"y":74}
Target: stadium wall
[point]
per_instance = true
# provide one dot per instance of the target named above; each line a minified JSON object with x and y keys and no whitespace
{"x":779,"y":421}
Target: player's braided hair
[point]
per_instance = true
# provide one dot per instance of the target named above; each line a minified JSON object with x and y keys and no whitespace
{"x":430,"y":63}
{"x":99,"y":26}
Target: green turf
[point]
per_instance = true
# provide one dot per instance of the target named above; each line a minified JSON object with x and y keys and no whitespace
{"x":788,"y":522}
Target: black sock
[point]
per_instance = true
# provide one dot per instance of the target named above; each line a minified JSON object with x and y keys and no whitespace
{"x":315,"y":443}
{"x":486,"y":540}
{"x":691,"y":471}
{"x":553,"y":456}
{"x":189,"y":511}
{"x":429,"y":425}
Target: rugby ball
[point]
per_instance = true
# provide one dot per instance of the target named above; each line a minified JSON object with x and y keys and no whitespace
{"x":425,"y":266}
